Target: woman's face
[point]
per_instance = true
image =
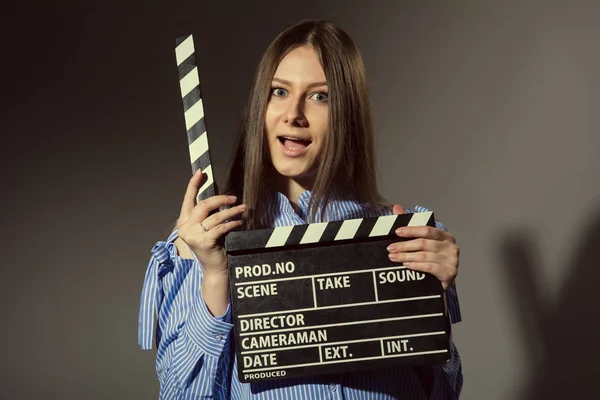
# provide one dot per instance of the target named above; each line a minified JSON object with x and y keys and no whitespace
{"x":297,"y":114}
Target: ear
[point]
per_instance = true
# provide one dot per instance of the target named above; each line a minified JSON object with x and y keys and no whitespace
{"x":398,"y":209}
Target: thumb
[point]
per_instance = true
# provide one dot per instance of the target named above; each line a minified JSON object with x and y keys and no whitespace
{"x":398,"y":209}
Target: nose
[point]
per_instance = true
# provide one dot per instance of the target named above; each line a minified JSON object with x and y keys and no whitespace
{"x":294,"y":114}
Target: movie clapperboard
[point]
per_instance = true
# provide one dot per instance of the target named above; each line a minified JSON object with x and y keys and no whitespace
{"x":319,"y":298}
{"x":325,"y":298}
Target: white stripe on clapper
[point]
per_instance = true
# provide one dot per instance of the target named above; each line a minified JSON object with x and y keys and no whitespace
{"x":420,"y":219}
{"x":209,"y":180}
{"x":313,"y":232}
{"x":184,"y":50}
{"x":279,"y":236}
{"x":189,"y":82}
{"x":383,"y":225}
{"x":194,"y":114}
{"x":198,"y":147}
{"x":348,"y":229}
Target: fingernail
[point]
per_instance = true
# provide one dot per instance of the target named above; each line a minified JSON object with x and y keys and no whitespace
{"x":400,"y":231}
{"x":242,"y":207}
{"x":232,"y":198}
{"x":390,"y":247}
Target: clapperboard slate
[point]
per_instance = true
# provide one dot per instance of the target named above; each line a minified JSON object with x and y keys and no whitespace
{"x":325,"y":298}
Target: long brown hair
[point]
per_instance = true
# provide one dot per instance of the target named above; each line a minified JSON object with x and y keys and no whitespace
{"x":348,"y":170}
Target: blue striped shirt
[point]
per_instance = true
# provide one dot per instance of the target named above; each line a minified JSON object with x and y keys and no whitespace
{"x":196,"y":359}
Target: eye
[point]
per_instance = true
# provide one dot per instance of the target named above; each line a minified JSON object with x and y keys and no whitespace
{"x":321,"y":97}
{"x":278,"y":92}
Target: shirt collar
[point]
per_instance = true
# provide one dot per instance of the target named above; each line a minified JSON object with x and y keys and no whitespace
{"x":284,"y":215}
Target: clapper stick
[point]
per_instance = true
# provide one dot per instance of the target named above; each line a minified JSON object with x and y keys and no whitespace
{"x":195,"y":124}
{"x":189,"y":83}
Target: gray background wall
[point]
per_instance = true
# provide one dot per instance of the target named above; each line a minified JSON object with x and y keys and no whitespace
{"x":486,"y":112}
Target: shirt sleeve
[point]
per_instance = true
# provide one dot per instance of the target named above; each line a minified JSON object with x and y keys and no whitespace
{"x":445,"y":380}
{"x":447,"y":377}
{"x":193,"y":347}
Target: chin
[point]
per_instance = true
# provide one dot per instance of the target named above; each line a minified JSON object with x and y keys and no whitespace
{"x":293,"y":172}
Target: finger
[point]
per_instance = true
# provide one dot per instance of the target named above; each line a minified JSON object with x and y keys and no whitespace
{"x":189,"y":200}
{"x":206,"y":206}
{"x":418,"y":244}
{"x":443,"y":273}
{"x":222,"y":216}
{"x":222,"y":229}
{"x":421,"y":256}
{"x":206,"y":240}
{"x":397,"y":209}
{"x":426,"y":232}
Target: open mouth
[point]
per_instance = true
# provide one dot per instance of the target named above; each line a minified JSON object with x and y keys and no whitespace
{"x":293,"y":143}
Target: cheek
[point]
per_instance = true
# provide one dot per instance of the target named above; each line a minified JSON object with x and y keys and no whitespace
{"x":322,"y":128}
{"x":272,"y":115}
{"x":269,"y":121}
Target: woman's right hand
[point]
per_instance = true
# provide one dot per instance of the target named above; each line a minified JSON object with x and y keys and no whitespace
{"x":202,"y":232}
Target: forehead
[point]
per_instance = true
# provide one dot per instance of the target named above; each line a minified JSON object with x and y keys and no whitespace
{"x":301,"y":65}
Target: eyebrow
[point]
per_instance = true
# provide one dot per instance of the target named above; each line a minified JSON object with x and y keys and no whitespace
{"x":311,"y":85}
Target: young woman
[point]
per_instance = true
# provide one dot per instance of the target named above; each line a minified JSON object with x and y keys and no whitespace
{"x":305,"y":154}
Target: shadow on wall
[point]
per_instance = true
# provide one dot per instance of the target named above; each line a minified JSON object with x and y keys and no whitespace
{"x":562,"y":335}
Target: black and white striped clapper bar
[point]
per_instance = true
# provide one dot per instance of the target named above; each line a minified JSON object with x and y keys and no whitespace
{"x":325,"y":298}
{"x":193,"y":108}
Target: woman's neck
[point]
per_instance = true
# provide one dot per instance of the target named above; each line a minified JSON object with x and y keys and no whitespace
{"x":293,"y":188}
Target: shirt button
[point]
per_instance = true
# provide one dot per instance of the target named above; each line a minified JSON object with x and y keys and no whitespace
{"x":332,"y":387}
{"x":219,"y":337}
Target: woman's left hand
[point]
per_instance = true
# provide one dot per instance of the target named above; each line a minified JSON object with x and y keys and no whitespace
{"x":430,"y":250}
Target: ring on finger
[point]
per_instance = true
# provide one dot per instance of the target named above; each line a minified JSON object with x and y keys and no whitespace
{"x":203,"y":227}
